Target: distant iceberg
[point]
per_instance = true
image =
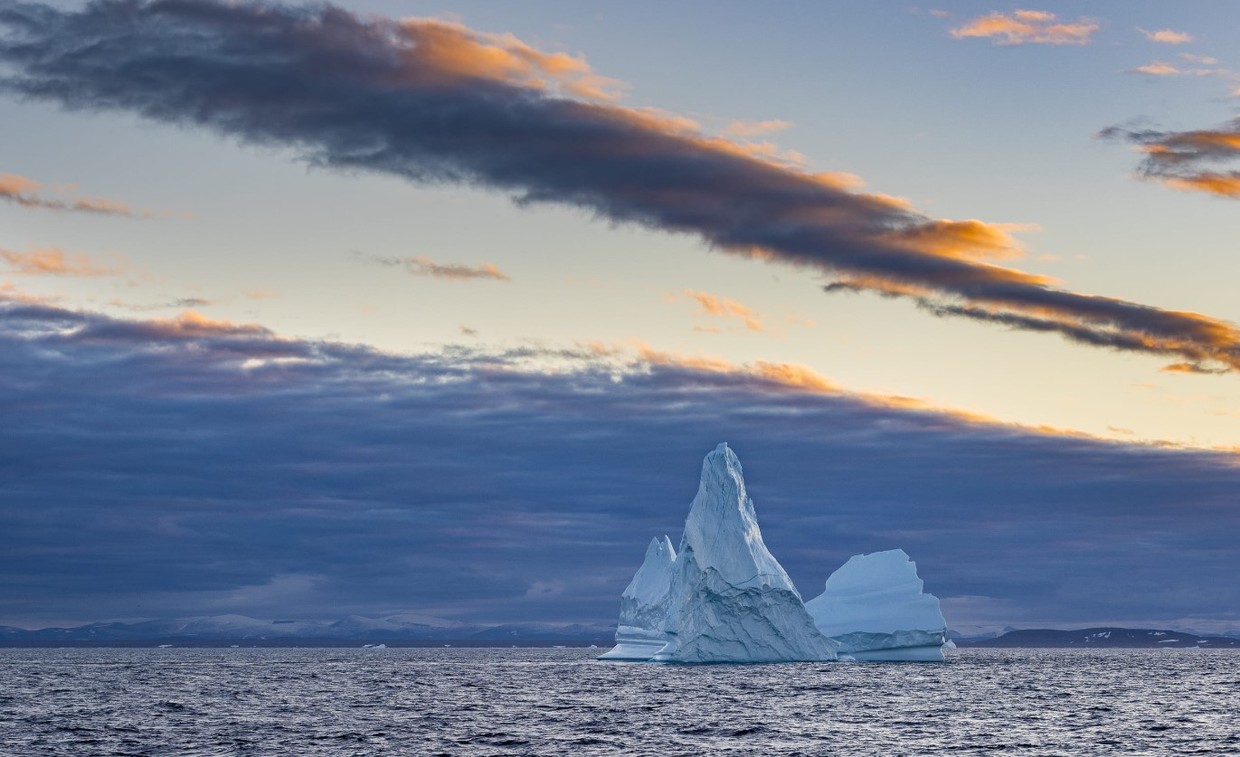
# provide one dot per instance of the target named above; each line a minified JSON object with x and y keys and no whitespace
{"x":874,"y":607}
{"x":723,"y":597}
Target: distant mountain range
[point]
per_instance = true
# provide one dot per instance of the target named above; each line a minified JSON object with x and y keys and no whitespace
{"x":215,"y":630}
{"x":411,"y":629}
{"x":1103,"y":638}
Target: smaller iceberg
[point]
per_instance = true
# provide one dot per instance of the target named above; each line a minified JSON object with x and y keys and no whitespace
{"x":874,"y":607}
{"x":643,"y":606}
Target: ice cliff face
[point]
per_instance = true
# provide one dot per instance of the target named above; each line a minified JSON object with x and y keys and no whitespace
{"x":729,"y":599}
{"x":643,"y":606}
{"x":875,"y":608}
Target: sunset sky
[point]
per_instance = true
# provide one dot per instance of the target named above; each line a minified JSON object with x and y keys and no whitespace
{"x":308,"y":310}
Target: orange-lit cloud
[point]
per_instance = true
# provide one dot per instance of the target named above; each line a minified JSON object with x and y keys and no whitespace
{"x":190,"y":323}
{"x":755,"y":128}
{"x":53,"y":261}
{"x":791,"y":375}
{"x":1218,"y":184}
{"x":722,"y":307}
{"x":28,"y":193}
{"x":1026,"y":27}
{"x":424,"y":266}
{"x":430,"y":101}
{"x":1163,"y":68}
{"x":1167,"y":36}
{"x":260,"y":294}
{"x":802,"y":378}
{"x":1157,"y":68}
{"x":1203,"y":60}
{"x":444,"y":50}
{"x":1193,"y":161}
{"x":970,"y":239}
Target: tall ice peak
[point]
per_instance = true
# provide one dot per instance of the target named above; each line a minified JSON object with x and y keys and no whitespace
{"x":721,"y":518}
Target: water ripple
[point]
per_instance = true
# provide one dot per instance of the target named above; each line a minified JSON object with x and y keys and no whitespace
{"x":561,"y":701}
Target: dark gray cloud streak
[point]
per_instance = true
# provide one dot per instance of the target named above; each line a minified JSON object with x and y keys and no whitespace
{"x":405,"y":98}
{"x":158,"y":468}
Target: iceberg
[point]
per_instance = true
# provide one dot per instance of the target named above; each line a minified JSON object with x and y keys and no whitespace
{"x":874,"y":607}
{"x":728,"y":598}
{"x":643,"y":606}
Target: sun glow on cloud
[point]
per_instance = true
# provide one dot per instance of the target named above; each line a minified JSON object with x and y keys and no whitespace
{"x":722,"y":307}
{"x":53,"y":261}
{"x":29,"y":193}
{"x":1188,"y":160}
{"x":437,"y":102}
{"x":1167,"y":36}
{"x":1027,"y":27}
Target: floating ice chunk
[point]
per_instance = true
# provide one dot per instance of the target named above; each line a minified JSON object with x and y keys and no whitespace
{"x":875,"y":608}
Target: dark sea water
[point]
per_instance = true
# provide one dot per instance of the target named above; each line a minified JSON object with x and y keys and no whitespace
{"x":562,"y":701}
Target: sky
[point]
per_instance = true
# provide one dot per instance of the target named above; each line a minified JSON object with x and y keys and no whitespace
{"x":381,"y":307}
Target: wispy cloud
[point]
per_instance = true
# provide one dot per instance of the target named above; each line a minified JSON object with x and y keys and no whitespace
{"x":722,"y":307}
{"x":1204,"y":60}
{"x":1163,"y":68}
{"x":1157,"y":68}
{"x":424,"y":266}
{"x":1189,"y":160}
{"x":1023,"y":27}
{"x":53,"y":261}
{"x":425,"y":101}
{"x":29,"y":193}
{"x":755,"y":128}
{"x":1167,"y":36}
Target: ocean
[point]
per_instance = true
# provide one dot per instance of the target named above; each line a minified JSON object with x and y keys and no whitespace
{"x":454,"y":701}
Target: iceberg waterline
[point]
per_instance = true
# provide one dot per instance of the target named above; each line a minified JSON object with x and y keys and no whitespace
{"x":723,"y":597}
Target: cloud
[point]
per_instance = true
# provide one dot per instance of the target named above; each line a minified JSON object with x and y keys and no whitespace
{"x":53,"y":261}
{"x":1204,"y":60}
{"x":1025,"y":27}
{"x":721,"y":307}
{"x":26,"y":193}
{"x":1157,"y":68}
{"x":163,"y":468}
{"x":1163,"y":68}
{"x":756,"y":128}
{"x":423,"y":266}
{"x":1167,"y":36}
{"x":179,"y":303}
{"x":1188,"y":160}
{"x":435,"y":102}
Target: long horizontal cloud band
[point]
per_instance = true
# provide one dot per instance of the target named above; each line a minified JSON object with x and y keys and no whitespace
{"x":189,"y":466}
{"x":433,"y":101}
